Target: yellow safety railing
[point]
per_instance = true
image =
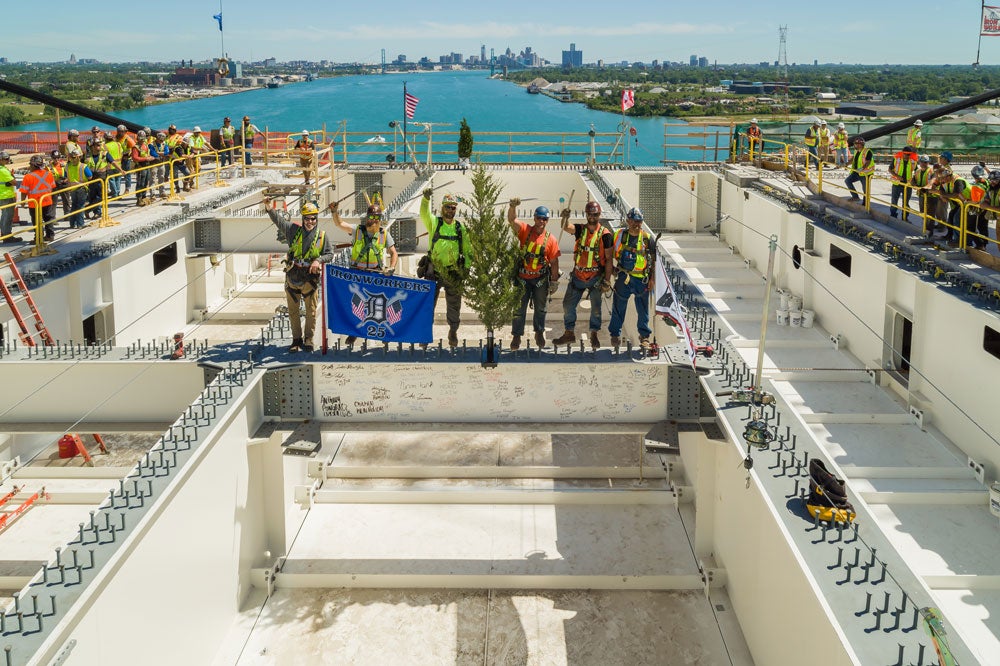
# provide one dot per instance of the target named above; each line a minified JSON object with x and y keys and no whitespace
{"x":10,"y":209}
{"x":315,"y":166}
{"x":965,"y":220}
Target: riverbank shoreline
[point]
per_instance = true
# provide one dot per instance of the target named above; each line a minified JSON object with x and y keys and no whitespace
{"x":210,"y":92}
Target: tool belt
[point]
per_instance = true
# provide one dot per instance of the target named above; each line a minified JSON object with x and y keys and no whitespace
{"x":297,"y":273}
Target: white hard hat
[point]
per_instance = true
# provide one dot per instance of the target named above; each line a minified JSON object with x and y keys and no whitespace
{"x":305,"y":132}
{"x":919,"y":123}
{"x":196,"y":129}
{"x":753,"y":121}
{"x":840,"y":125}
{"x":822,"y":122}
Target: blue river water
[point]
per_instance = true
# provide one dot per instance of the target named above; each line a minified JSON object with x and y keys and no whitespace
{"x":368,"y":103}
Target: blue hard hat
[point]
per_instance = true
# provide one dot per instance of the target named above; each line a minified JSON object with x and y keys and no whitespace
{"x":635,"y":214}
{"x":542,"y":211}
{"x":947,"y":155}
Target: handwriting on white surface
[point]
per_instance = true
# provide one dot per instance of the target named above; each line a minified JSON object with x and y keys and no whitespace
{"x":332,"y":406}
{"x":515,"y":392}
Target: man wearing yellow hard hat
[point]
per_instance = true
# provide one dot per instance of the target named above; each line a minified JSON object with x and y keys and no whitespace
{"x":308,"y":250}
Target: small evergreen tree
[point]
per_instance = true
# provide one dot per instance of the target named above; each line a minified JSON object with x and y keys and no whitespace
{"x":490,"y":289}
{"x":464,"y":141}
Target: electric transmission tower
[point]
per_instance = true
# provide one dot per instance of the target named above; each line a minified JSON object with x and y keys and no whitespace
{"x":783,"y":62}
{"x":783,"y":51}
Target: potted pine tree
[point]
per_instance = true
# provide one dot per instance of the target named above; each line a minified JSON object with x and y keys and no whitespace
{"x":489,"y":289}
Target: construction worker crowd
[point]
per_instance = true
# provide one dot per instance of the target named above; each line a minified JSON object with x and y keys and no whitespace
{"x":615,"y":265}
{"x":922,"y":186}
{"x":88,"y":170}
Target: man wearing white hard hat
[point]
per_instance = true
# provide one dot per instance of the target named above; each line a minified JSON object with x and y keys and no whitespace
{"x":824,"y":141}
{"x":841,"y":151}
{"x":305,"y":147}
{"x":914,"y":138}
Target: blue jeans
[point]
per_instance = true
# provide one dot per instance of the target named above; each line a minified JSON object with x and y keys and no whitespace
{"x":246,"y":153}
{"x":78,"y":199}
{"x":623,"y":291}
{"x":127,"y":164}
{"x":574,"y":292}
{"x":897,"y":192}
{"x":536,"y":290}
{"x":855,"y":177}
{"x":812,"y":152}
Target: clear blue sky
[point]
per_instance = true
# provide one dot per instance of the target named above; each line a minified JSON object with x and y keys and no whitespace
{"x":850,"y":31}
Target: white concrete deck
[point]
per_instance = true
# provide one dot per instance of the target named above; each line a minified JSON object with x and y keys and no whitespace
{"x":530,"y":627}
{"x":585,"y":572}
{"x":919,"y":492}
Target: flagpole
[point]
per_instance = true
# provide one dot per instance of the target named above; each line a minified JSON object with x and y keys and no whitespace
{"x":222,"y":35}
{"x":405,"y":145}
{"x":982,"y":16}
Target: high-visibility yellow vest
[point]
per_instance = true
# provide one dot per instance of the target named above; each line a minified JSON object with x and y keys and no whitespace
{"x":311,"y":253}
{"x":366,"y":251}
{"x":7,"y":190}
{"x":863,"y":162}
{"x":914,"y":137}
{"x":588,"y":255}
{"x":76,"y":173}
{"x":902,"y":167}
{"x":624,"y":250}
{"x":920,"y":176}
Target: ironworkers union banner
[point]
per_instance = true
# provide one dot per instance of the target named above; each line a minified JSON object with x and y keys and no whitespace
{"x":379,"y":307}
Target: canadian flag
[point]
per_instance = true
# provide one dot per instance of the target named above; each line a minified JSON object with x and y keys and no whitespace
{"x":628,"y":99}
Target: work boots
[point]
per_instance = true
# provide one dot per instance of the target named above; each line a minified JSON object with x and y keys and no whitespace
{"x":515,"y":342}
{"x":616,"y":341}
{"x":594,"y":340}
{"x":539,"y":339}
{"x":295,"y":346}
{"x":452,"y":338}
{"x":644,"y":343}
{"x":567,"y":338}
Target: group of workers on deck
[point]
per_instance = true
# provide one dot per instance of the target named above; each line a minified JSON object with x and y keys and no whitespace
{"x":85,"y":171}
{"x":617,"y":264}
{"x":941,"y":193}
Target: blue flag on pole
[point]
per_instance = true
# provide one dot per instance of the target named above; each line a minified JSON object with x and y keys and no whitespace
{"x":218,"y":17}
{"x":379,"y":307}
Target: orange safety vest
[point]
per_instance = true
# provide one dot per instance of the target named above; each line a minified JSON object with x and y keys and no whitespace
{"x":902,"y":167}
{"x":588,"y":255}
{"x":37,"y":186}
{"x":533,"y":263}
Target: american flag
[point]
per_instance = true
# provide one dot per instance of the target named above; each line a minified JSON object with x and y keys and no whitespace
{"x":410,"y":104}
{"x":358,"y":307}
{"x":628,"y":99}
{"x":393,"y":313}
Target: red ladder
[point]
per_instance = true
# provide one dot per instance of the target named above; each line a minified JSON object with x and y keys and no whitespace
{"x":27,"y":337}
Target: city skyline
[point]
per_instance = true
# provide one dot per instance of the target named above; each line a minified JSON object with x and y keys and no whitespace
{"x":851,"y":32}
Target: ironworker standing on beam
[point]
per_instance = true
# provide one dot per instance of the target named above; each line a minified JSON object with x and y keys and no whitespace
{"x":308,"y":250}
